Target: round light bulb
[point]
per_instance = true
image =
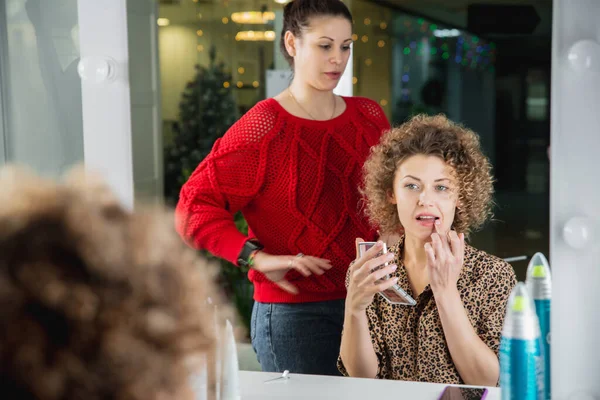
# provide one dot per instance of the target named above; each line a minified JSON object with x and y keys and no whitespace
{"x":577,"y":232}
{"x":584,"y":55}
{"x":97,"y":70}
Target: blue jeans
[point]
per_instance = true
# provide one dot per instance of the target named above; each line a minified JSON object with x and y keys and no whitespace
{"x":302,"y":338}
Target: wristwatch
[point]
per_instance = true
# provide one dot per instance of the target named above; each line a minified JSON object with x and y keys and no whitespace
{"x":250,"y":246}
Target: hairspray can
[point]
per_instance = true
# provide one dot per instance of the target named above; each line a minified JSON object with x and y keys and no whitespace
{"x":539,"y":284}
{"x":521,"y":362}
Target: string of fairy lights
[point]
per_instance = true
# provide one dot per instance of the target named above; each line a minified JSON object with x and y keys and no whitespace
{"x":417,"y":38}
{"x":420,"y":38}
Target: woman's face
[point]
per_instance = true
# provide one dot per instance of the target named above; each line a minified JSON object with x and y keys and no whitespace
{"x":425,"y":191}
{"x":321,"y":52}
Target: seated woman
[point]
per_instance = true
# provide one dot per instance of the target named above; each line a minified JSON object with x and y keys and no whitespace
{"x":97,"y":302}
{"x":430,"y":178}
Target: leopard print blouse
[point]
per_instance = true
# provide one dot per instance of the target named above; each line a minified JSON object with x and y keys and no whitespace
{"x":409,"y":341}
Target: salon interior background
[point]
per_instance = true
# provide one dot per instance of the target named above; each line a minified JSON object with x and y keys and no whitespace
{"x":410,"y":55}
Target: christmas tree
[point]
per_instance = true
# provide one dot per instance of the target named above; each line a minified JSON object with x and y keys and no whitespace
{"x":207,"y":109}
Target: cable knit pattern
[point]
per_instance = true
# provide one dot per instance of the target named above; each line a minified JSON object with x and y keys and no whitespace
{"x":296,"y":182}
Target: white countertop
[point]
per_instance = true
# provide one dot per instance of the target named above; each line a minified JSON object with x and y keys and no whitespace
{"x":314,"y":387}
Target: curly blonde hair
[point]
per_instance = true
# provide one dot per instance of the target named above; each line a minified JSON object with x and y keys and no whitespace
{"x":96,"y":302}
{"x":432,"y":136}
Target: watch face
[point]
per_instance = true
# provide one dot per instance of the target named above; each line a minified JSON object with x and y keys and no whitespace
{"x":253,"y":244}
{"x":250,"y":246}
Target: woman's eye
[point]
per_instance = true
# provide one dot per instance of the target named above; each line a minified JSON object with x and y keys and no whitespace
{"x":442,"y":188}
{"x":325,"y":46}
{"x":411,"y":186}
{"x":346,"y":48}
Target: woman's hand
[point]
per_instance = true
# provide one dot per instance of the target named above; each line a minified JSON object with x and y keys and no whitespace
{"x":364,"y":282}
{"x":275,"y":267}
{"x":445,"y":257}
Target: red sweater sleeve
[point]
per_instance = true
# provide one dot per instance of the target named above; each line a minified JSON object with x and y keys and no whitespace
{"x":224,"y":182}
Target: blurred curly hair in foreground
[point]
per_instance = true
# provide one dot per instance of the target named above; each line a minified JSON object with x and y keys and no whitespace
{"x":96,"y":302}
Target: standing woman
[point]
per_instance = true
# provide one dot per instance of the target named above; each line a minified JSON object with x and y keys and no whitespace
{"x":293,"y":166}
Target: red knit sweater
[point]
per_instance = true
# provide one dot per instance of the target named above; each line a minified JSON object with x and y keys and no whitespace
{"x":296,"y":182}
